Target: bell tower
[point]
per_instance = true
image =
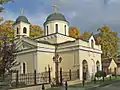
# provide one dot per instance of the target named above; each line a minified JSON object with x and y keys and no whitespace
{"x":21,"y":26}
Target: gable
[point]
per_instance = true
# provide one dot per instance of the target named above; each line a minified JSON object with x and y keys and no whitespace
{"x":112,"y":64}
{"x":22,"y":44}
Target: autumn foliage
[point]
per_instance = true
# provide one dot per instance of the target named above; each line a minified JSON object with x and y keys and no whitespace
{"x":108,"y":41}
{"x":85,"y":35}
{"x":74,"y":32}
{"x":35,"y":31}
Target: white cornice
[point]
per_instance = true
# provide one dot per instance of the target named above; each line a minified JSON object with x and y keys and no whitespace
{"x":52,"y":50}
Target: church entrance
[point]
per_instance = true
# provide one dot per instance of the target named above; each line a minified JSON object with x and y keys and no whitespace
{"x":85,"y":69}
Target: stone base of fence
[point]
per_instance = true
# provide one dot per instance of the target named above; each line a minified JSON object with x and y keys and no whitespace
{"x":38,"y":87}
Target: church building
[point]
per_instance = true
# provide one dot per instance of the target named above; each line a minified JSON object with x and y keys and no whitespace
{"x":39,"y":53}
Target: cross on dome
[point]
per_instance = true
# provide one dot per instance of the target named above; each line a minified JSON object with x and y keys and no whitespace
{"x":22,"y":11}
{"x":55,"y":8}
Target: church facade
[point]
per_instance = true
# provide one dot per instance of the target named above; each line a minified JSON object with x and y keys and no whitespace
{"x":38,"y":53}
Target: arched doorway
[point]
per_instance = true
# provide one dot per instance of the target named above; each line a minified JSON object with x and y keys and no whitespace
{"x":98,"y":66}
{"x":85,"y":69}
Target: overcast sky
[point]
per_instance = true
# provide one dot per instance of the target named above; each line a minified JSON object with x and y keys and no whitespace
{"x":88,"y":15}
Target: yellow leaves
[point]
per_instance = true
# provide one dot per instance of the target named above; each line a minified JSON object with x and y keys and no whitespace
{"x":35,"y":31}
{"x":6,"y":28}
{"x":85,"y":35}
{"x":108,"y":41}
{"x":104,"y":29}
{"x":74,"y":32}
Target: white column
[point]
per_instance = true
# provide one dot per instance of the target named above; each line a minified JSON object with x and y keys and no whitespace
{"x":35,"y":61}
{"x":80,"y":67}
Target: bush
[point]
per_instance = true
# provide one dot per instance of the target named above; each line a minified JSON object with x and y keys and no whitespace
{"x":99,"y":74}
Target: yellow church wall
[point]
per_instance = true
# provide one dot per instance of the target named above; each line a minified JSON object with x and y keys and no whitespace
{"x":52,"y":29}
{"x":45,"y":59}
{"x":28,"y":59}
{"x":70,"y":60}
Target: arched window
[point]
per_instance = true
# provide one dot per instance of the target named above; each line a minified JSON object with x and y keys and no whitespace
{"x":24,"y":68}
{"x":92,"y":44}
{"x":65,"y":29}
{"x":17,"y":30}
{"x":56,"y":26}
{"x":85,"y":69}
{"x":24,"y":30}
{"x":98,"y":65}
{"x":47,"y":30}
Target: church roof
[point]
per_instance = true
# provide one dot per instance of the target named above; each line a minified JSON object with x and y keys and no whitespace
{"x":22,"y":19}
{"x":55,"y":16}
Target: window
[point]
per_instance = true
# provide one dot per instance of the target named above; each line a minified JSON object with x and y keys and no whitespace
{"x":17,"y":30}
{"x":24,"y":68}
{"x":98,"y":65}
{"x":24,"y":30}
{"x":47,"y":30}
{"x":92,"y":44}
{"x":65,"y":29}
{"x":56,"y":26}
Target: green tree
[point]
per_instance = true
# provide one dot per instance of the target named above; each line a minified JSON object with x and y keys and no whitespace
{"x":74,"y":32}
{"x":108,"y":41}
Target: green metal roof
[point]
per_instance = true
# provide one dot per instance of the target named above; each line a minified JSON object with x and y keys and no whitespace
{"x":55,"y":16}
{"x":22,"y":19}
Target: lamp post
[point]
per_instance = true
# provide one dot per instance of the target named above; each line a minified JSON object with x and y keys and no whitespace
{"x":57,"y":59}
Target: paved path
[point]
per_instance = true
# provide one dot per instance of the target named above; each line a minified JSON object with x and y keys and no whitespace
{"x":115,"y":86}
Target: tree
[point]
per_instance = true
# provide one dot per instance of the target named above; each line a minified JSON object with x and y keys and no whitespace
{"x":108,"y":41}
{"x":7,"y":27}
{"x":85,"y":35}
{"x":74,"y":32}
{"x":3,"y":2}
{"x":7,"y":54}
{"x":35,"y":31}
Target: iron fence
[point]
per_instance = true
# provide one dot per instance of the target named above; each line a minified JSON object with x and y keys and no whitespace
{"x":70,"y":75}
{"x":31,"y":78}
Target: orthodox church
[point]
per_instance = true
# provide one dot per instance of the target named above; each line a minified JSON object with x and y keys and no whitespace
{"x":39,"y":53}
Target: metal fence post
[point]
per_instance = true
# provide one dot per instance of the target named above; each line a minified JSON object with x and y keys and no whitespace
{"x":49,"y":75}
{"x":17,"y":78}
{"x":35,"y":77}
{"x":43,"y":87}
{"x":66,"y":86}
{"x":70,"y":74}
{"x":60,"y":76}
{"x":77,"y":73}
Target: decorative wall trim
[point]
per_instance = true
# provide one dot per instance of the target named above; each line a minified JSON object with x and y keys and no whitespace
{"x":52,"y":50}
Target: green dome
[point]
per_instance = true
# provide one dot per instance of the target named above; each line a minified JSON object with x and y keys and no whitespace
{"x":55,"y":16}
{"x":21,"y":19}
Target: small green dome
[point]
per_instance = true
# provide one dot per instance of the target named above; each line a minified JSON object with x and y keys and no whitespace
{"x":21,"y":19}
{"x":55,"y":16}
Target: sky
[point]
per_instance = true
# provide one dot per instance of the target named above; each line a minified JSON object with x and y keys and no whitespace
{"x":88,"y":15}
